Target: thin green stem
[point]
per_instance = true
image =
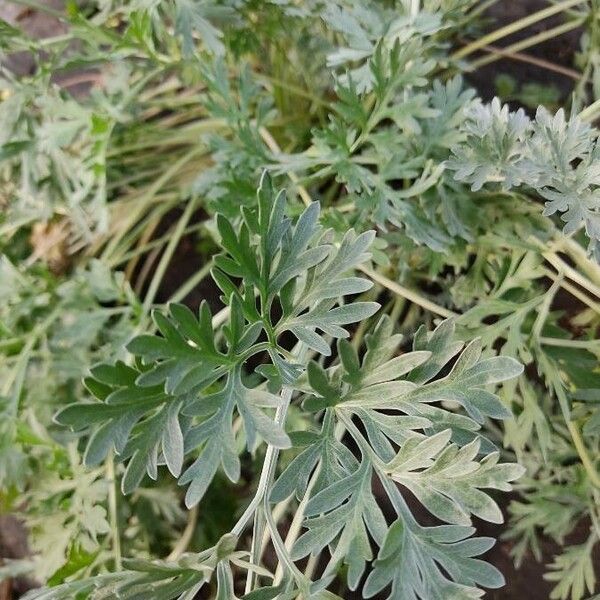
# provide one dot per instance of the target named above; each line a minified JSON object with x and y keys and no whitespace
{"x":481,"y":8}
{"x":283,"y":554}
{"x":268,"y":468}
{"x":141,"y":202}
{"x":185,"y":539}
{"x":534,"y":60}
{"x":273,"y":146}
{"x":584,"y":344}
{"x":147,"y":247}
{"x":182,"y":291}
{"x":586,"y":461}
{"x":511,"y":28}
{"x":579,"y":256}
{"x":571,"y":289}
{"x":16,"y":376}
{"x":544,"y":309}
{"x":298,"y":91}
{"x":410,"y":295}
{"x":298,"y":518}
{"x":56,"y":39}
{"x":264,"y":484}
{"x":166,"y":257}
{"x":524,"y":44}
{"x":567,"y":271}
{"x":113,"y":510}
{"x":590,"y":113}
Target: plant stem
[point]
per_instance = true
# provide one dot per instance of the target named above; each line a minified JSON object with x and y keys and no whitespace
{"x":264,"y":483}
{"x":166,"y":257}
{"x":284,"y":555}
{"x":296,"y":524}
{"x":266,"y":477}
{"x":590,"y":113}
{"x":258,"y":532}
{"x":481,"y":8}
{"x":498,"y":53}
{"x":144,"y":271}
{"x":514,"y":27}
{"x":268,"y":468}
{"x":185,"y":288}
{"x":293,"y":88}
{"x":584,"y":456}
{"x":113,"y":510}
{"x":153,"y":244}
{"x":144,"y":239}
{"x":585,"y":344}
{"x":273,"y":146}
{"x":186,"y":537}
{"x":411,"y":295}
{"x":555,"y":380}
{"x":156,"y":208}
{"x":146,"y":196}
{"x":580,"y":257}
{"x":544,"y":309}
{"x":17,"y":374}
{"x":533,"y":60}
{"x":575,"y":292}
{"x":562,"y":267}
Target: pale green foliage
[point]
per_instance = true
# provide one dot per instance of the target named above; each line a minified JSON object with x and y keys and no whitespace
{"x":401,"y":137}
{"x":446,"y":478}
{"x":574,"y":573}
{"x":145,"y":409}
{"x":59,"y":149}
{"x":491,"y":151}
{"x":365,"y":30}
{"x":556,"y":156}
{"x":181,"y":396}
{"x":67,"y":511}
{"x":162,"y":580}
{"x":50,"y":334}
{"x":412,"y":556}
{"x":359,"y":106}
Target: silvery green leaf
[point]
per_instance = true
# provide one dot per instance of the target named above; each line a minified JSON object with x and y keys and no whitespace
{"x":341,"y":515}
{"x":555,"y":155}
{"x":158,"y":579}
{"x":467,"y":381}
{"x":296,"y":265}
{"x":573,"y":572}
{"x":215,"y":439}
{"x":432,"y":562}
{"x":448,"y":480}
{"x":335,"y":459}
{"x":193,"y":17}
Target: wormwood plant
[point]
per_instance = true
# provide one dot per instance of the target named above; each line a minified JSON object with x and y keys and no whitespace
{"x":113,"y":201}
{"x":556,"y":156}
{"x":190,"y":399}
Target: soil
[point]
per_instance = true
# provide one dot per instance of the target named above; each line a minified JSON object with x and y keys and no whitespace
{"x":13,"y":545}
{"x":526,"y":582}
{"x":560,"y":51}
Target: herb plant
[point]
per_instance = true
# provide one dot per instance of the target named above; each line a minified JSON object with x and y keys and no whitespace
{"x":185,"y":391}
{"x":212,"y":387}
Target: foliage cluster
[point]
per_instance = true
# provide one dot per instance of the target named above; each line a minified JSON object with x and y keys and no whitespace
{"x":194,"y":361}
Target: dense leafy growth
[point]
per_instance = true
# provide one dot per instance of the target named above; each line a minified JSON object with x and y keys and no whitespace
{"x":552,"y":154}
{"x":210,"y":387}
{"x":186,"y":388}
